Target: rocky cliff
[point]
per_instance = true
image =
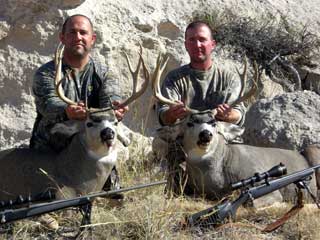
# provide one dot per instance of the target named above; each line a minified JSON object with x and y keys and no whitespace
{"x":29,"y":34}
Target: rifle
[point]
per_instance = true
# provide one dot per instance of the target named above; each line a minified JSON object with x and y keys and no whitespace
{"x":84,"y":203}
{"x":227,"y":209}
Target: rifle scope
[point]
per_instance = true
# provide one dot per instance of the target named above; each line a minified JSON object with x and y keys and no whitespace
{"x":45,"y":196}
{"x":276,"y":171}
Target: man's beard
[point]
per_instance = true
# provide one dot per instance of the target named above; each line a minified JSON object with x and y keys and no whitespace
{"x":201,"y":59}
{"x":79,"y":52}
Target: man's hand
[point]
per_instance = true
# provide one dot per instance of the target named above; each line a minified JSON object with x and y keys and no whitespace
{"x":227,"y":114}
{"x":120,"y":112}
{"x":174,"y":112}
{"x":76,"y":112}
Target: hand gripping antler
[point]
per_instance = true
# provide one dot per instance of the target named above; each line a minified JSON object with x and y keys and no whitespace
{"x":161,"y":64}
{"x":135,"y":74}
{"x":135,"y":94}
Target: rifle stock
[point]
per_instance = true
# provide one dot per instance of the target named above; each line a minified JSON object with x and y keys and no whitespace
{"x":227,"y":209}
{"x":9,"y":215}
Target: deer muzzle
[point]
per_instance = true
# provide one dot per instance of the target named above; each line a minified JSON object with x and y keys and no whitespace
{"x":107,"y":136}
{"x":205,"y":137}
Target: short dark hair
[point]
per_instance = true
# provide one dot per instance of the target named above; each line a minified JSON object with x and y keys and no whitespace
{"x":196,"y":24}
{"x":73,"y":16}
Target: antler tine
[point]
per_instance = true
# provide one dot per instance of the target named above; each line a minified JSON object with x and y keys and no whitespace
{"x":161,"y":64}
{"x":146,"y":72}
{"x":135,"y":74}
{"x":58,"y":54}
{"x":58,"y":78}
{"x":243,"y":77}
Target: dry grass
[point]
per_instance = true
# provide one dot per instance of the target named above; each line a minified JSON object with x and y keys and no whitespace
{"x":149,"y":214}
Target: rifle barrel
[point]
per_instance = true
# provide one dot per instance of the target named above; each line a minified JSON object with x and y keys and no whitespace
{"x":111,"y":192}
{"x":278,"y":183}
{"x":9,"y":215}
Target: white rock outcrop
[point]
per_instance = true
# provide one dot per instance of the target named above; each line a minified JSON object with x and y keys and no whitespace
{"x":29,"y":35}
{"x":289,"y":121}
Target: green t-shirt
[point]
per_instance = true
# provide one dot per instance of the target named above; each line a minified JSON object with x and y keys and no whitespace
{"x":203,"y":90}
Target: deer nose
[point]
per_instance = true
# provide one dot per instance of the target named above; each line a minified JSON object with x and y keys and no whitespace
{"x":107,"y":134}
{"x":205,"y":136}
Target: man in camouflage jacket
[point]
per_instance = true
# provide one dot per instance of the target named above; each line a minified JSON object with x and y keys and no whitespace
{"x":86,"y":80}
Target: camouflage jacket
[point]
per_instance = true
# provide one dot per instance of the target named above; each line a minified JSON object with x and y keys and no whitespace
{"x":203,"y":89}
{"x":92,"y":83}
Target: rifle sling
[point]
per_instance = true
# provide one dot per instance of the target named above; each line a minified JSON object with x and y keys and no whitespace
{"x":273,"y":226}
{"x":293,"y":211}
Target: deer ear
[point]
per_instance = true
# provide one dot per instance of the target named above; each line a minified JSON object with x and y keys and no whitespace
{"x":231,"y":132}
{"x":122,"y":134}
{"x":67,"y":128}
{"x":169,"y":133}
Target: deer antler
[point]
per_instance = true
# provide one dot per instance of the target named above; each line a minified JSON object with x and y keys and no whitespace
{"x":58,"y":78}
{"x":135,"y":74}
{"x":135,"y":94}
{"x":161,"y":64}
{"x":243,"y":78}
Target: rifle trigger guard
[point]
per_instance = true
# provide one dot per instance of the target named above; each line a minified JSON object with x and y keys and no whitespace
{"x":250,"y":196}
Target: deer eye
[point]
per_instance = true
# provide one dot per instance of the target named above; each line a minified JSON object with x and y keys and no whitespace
{"x":212,"y":122}
{"x":89,"y":124}
{"x":189,"y":124}
{"x":98,"y":120}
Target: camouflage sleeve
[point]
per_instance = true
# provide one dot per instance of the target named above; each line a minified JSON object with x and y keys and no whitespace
{"x":46,"y":100}
{"x":233,"y":89}
{"x":110,"y":90}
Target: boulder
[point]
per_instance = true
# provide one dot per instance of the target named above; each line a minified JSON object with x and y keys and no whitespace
{"x":289,"y":121}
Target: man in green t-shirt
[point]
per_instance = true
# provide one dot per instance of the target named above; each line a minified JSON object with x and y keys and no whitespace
{"x":204,"y":84}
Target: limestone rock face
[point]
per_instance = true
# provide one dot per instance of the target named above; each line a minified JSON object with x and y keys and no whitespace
{"x":289,"y":121}
{"x":29,"y":34}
